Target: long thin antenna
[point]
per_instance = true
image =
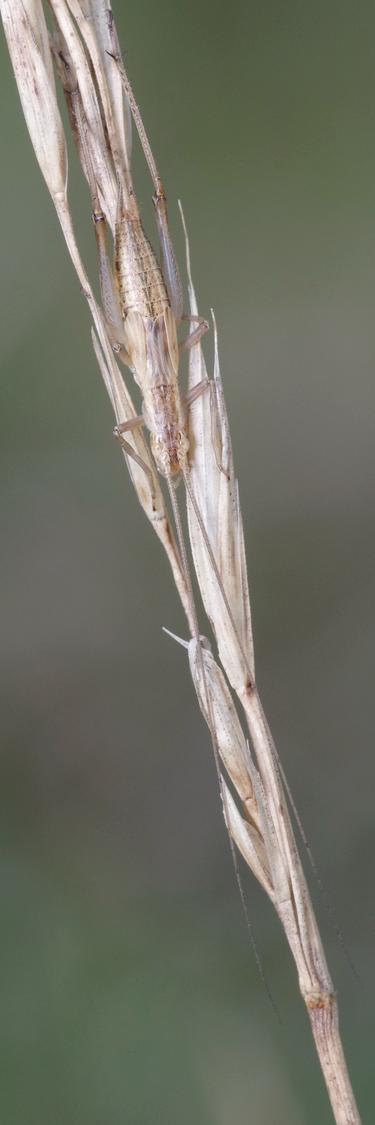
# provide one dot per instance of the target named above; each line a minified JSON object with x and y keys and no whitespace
{"x":115,"y":53}
{"x":323,"y":890}
{"x":211,"y":724}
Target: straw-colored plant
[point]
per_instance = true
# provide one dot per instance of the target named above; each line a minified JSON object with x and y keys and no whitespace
{"x":99,"y":100}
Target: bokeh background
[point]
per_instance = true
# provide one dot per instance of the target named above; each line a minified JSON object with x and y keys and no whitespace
{"x":128,"y":989}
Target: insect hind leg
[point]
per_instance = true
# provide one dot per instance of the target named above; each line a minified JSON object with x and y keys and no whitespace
{"x":118,"y":433}
{"x":170,"y":268}
{"x":193,"y":338}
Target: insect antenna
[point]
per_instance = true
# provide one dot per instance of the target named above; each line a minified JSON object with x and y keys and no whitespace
{"x":214,"y":741}
{"x":326,"y":898}
{"x":278,"y":765}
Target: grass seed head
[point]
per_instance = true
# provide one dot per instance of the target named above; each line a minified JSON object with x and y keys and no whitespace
{"x":27,"y":37}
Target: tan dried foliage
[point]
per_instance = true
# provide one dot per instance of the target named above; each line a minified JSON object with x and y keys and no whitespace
{"x":254,"y":802}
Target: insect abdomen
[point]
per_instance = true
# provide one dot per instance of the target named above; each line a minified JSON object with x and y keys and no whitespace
{"x":139,"y":278}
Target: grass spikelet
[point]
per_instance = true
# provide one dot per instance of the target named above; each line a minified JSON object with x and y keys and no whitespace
{"x":84,"y":48}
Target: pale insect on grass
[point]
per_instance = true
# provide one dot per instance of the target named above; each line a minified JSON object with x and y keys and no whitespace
{"x":151,"y":309}
{"x":189,"y":438}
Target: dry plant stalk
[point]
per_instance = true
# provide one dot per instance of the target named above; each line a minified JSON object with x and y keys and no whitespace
{"x":100,"y":102}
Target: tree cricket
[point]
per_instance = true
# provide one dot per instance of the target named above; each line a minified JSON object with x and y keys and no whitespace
{"x":143,"y":307}
{"x":141,"y":313}
{"x":149,"y":298}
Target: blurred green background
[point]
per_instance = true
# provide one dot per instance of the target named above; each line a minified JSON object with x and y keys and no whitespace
{"x":128,"y":989}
